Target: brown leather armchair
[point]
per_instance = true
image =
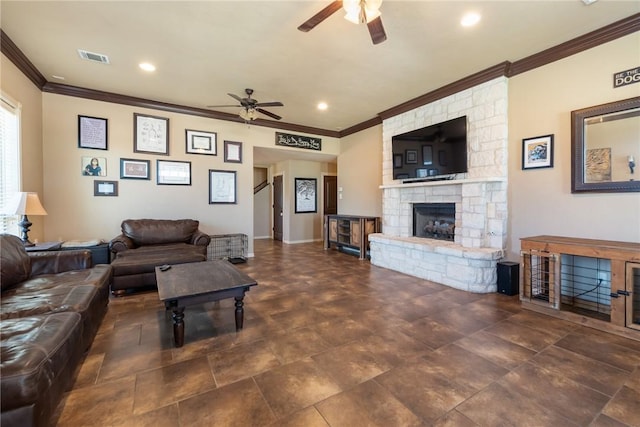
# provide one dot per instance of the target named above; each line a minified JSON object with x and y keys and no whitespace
{"x":147,"y":243}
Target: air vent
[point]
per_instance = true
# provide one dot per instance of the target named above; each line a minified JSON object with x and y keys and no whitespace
{"x":91,"y":56}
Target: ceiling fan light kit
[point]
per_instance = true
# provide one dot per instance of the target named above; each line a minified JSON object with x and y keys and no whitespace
{"x":361,"y":11}
{"x":358,"y":12}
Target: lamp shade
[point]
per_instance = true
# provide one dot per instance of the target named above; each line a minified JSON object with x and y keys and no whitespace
{"x":25,"y":204}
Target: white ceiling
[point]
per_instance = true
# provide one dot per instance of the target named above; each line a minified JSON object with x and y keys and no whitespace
{"x":205,"y":49}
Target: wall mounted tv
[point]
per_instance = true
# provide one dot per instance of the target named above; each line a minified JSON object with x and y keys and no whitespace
{"x":434,"y":152}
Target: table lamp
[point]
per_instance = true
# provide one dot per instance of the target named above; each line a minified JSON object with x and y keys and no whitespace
{"x":25,"y":204}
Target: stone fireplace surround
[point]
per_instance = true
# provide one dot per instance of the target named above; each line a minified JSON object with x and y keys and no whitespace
{"x":480,"y":195}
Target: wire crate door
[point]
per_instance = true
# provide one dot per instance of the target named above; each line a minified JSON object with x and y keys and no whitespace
{"x":540,"y":275}
{"x":633,"y":295}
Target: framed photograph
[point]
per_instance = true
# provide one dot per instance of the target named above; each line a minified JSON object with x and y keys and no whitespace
{"x":150,"y":134}
{"x":427,"y":155}
{"x":173,"y":173}
{"x":411,"y":156}
{"x":105,"y":188}
{"x":200,"y":142}
{"x":402,"y":176}
{"x":222,"y":186}
{"x":306,"y":195}
{"x":135,"y":169}
{"x":93,"y":166}
{"x":397,"y":161}
{"x":537,"y":152}
{"x":421,"y":173}
{"x":92,"y":133}
{"x":232,"y":152}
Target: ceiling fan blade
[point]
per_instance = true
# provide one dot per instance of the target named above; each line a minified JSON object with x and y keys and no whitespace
{"x":220,"y":106}
{"x":236,"y":97}
{"x":267,"y":113}
{"x":376,"y":30}
{"x":270,"y":104}
{"x":321,"y":16}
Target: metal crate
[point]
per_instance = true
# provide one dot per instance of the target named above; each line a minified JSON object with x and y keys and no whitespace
{"x":232,"y":247}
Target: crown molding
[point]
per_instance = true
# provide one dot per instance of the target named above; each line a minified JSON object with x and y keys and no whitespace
{"x":587,"y":41}
{"x":483,"y":76}
{"x":20,"y":60}
{"x":595,"y":38}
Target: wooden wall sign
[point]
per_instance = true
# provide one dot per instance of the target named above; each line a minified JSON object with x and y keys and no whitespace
{"x":298,"y":141}
{"x":626,"y":77}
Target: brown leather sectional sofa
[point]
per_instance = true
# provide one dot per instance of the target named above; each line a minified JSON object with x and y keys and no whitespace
{"x":147,"y":243}
{"x":51,"y":306}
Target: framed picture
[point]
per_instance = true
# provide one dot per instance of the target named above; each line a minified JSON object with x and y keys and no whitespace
{"x":232,"y":152}
{"x":306,"y":195}
{"x":421,"y":173}
{"x":402,"y":176}
{"x":537,"y":152}
{"x":411,"y":156}
{"x":427,"y":155}
{"x":150,"y":134}
{"x":222,"y":186}
{"x":397,"y":161}
{"x":173,"y":173}
{"x":200,"y":142}
{"x":135,"y":169}
{"x":105,"y":188}
{"x":92,"y":133}
{"x":93,"y":166}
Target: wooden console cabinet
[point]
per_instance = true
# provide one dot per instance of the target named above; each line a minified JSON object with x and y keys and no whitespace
{"x":349,"y":231}
{"x":595,"y":280}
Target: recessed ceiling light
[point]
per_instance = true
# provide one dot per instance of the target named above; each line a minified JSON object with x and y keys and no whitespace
{"x":146,"y":66}
{"x":470,"y":19}
{"x":322,"y":106}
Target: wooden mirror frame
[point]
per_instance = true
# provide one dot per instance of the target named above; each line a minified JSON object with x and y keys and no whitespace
{"x":578,"y":167}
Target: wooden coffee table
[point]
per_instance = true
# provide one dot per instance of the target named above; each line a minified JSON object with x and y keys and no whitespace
{"x":200,"y":282}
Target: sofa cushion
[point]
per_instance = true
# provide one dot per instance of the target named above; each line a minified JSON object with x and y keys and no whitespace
{"x":38,"y":357}
{"x":146,"y":258}
{"x":15,"y":264}
{"x":159,"y":231}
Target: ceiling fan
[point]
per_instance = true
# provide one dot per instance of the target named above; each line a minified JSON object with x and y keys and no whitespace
{"x":251,"y":107}
{"x":358,"y":12}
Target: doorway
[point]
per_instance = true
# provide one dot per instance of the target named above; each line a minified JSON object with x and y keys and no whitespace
{"x":277,"y":207}
{"x":330,"y":202}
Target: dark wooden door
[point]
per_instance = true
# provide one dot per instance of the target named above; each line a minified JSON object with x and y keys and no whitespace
{"x":277,"y":207}
{"x":330,"y":203}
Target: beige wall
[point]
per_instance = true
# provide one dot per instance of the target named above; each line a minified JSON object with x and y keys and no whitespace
{"x":540,"y":103}
{"x":74,"y":213}
{"x":360,"y":173}
{"x":22,"y":90}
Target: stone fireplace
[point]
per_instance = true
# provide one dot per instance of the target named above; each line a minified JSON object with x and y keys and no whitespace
{"x":468,"y":260}
{"x":434,"y":220}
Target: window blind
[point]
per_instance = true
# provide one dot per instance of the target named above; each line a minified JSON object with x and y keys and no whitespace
{"x":10,"y":160}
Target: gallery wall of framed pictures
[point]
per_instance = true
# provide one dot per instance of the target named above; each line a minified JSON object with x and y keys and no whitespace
{"x":151,"y":137}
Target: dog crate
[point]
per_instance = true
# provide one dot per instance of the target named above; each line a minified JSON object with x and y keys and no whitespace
{"x":539,"y":275}
{"x":232,"y":247}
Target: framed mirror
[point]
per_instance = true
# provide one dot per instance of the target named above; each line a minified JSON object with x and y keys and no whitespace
{"x":605,"y":147}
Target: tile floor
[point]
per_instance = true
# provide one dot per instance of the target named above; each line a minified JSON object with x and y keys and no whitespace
{"x":333,"y":341}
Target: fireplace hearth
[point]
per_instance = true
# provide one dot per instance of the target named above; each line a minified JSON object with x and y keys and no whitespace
{"x":434,"y":220}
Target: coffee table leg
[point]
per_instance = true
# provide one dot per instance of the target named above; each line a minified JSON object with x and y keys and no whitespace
{"x":178,"y":326}
{"x":239,"y":312}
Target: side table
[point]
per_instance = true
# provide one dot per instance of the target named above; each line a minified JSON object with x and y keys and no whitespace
{"x":44,"y":246}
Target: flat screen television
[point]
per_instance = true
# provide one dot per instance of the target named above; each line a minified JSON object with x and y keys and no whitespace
{"x":438,"y":151}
